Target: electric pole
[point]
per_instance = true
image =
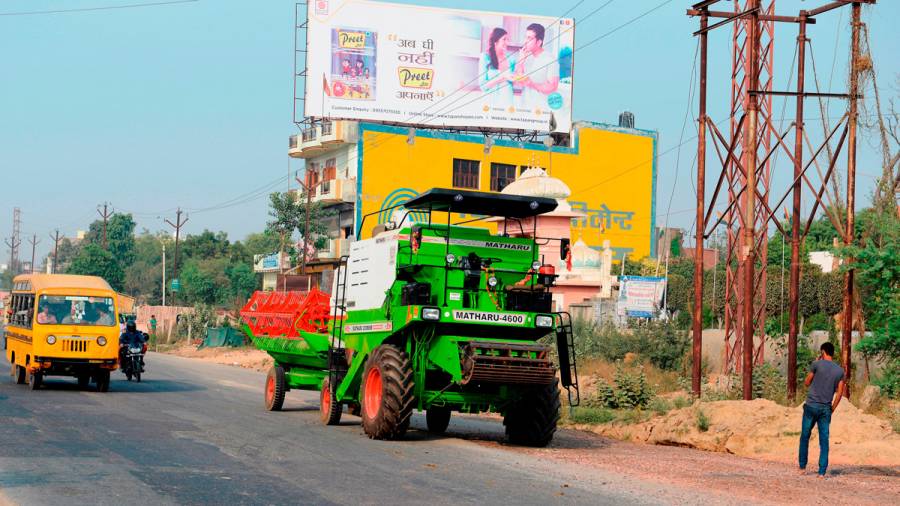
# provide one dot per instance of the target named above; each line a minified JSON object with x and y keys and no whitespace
{"x":56,"y":238}
{"x":105,"y":215}
{"x":34,"y":242}
{"x":177,"y":226}
{"x":14,"y":241}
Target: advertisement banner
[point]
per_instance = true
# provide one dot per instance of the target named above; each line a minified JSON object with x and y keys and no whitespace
{"x":640,"y":296}
{"x":438,"y":67}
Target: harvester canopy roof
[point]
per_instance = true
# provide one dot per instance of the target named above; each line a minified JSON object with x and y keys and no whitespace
{"x":482,"y":203}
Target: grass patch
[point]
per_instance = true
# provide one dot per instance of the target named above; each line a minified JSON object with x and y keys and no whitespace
{"x":702,"y":421}
{"x":660,"y":406}
{"x":681,"y":402}
{"x":594,"y":416}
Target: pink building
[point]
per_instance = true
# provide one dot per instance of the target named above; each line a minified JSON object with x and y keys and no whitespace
{"x":577,"y":265}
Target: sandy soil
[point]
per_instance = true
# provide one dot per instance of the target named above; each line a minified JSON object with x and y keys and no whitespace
{"x":765,"y":430}
{"x":248,"y":358}
{"x":727,"y":478}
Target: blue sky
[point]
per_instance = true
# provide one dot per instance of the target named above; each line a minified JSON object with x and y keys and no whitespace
{"x":190,"y":105}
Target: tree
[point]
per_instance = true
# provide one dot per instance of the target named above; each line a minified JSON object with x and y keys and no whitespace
{"x":67,"y":252}
{"x":119,"y":237}
{"x":288,"y":213}
{"x":206,"y":245}
{"x":243,"y":281}
{"x":93,"y":260}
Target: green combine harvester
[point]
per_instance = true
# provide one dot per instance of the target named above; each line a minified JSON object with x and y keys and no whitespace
{"x":430,"y":316}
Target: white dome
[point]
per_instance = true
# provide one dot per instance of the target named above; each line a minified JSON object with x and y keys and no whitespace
{"x":535,"y":182}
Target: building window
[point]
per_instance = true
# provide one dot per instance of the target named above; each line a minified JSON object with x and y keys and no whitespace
{"x":501,"y":175}
{"x":330,"y":172}
{"x":465,"y":173}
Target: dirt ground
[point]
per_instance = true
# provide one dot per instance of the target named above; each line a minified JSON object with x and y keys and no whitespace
{"x":728,"y":479}
{"x":246,"y":357}
{"x":762,"y":429}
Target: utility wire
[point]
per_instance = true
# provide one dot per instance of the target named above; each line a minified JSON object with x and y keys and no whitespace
{"x":92,"y":9}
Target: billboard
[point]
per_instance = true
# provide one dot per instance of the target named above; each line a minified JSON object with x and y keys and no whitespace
{"x":438,"y":67}
{"x":640,"y":296}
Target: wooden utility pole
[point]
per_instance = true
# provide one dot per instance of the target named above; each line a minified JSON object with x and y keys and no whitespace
{"x":849,"y":233}
{"x":105,"y":215}
{"x":177,"y":226}
{"x":56,"y":238}
{"x":34,"y":242}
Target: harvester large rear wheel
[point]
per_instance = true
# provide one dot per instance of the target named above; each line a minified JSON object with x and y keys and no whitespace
{"x":275,"y":388}
{"x":532,"y":420}
{"x":329,"y":410}
{"x":387,"y":393}
{"x":437,"y":418}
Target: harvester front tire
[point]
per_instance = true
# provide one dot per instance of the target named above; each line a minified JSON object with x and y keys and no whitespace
{"x":387,"y":393}
{"x":275,"y":388}
{"x":437,"y":419}
{"x":532,"y":420}
{"x":329,"y":410}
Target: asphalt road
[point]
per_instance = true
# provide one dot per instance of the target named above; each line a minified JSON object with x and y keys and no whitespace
{"x":196,"y":433}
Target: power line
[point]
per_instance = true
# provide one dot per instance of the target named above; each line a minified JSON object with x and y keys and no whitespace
{"x":101,"y":8}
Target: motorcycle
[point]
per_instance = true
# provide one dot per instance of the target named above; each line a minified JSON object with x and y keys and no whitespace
{"x":133,"y":360}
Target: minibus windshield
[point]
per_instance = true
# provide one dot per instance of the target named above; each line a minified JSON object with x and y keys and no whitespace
{"x":75,"y":310}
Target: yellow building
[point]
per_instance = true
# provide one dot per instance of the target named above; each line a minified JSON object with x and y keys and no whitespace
{"x":365,"y":168}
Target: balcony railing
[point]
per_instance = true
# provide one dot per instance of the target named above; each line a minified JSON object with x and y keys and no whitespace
{"x":293,"y":141}
{"x":327,"y":128}
{"x":309,"y":135}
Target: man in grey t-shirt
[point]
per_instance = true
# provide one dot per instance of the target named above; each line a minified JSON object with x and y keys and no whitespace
{"x":826,"y":385}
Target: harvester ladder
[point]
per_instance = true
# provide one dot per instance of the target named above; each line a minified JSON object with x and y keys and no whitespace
{"x":565,"y":348}
{"x":336,"y":362}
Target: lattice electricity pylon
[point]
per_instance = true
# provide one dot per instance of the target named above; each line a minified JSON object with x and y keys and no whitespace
{"x":735,"y":292}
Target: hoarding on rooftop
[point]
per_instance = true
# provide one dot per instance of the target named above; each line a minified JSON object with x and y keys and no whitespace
{"x":438,"y":67}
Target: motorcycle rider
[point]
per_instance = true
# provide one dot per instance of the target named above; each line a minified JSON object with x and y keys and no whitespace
{"x":131,"y":337}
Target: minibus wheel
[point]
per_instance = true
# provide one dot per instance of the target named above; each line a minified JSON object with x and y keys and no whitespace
{"x":103,"y":381}
{"x":19,"y":374}
{"x":35,"y":379}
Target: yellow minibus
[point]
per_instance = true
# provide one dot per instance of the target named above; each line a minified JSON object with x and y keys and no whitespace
{"x":62,"y":325}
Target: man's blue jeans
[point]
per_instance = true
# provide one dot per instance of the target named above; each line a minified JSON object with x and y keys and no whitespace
{"x":815,"y":414}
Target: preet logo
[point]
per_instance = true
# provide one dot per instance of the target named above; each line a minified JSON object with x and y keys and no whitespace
{"x":351,"y":40}
{"x":412,"y":77}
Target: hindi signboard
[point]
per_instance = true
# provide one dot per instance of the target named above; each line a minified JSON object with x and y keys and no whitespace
{"x":438,"y":67}
{"x":640,"y":296}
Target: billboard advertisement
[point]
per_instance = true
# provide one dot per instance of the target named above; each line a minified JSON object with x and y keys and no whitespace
{"x":640,"y":296}
{"x":437,"y":67}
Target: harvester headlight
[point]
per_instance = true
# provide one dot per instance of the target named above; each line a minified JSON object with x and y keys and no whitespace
{"x":51,"y":339}
{"x":450,"y":258}
{"x":101,"y":341}
{"x":543,"y":321}
{"x":492,"y":281}
{"x":431,"y":313}
{"x":535,"y":266}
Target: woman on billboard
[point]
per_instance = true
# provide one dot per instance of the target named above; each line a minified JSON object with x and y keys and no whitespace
{"x":497,"y":69}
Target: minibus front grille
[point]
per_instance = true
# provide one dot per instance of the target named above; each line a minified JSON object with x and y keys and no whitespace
{"x":74,"y":345}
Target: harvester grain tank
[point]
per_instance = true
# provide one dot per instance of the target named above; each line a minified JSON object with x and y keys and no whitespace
{"x":430,"y":316}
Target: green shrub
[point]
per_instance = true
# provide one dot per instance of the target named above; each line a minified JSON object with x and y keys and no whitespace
{"x":630,"y":390}
{"x":663,"y":345}
{"x":889,"y":380}
{"x":702,"y":421}
{"x":769,"y":383}
{"x":660,"y":406}
{"x":681,"y":402}
{"x":591,"y":415}
{"x":818,"y":321}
